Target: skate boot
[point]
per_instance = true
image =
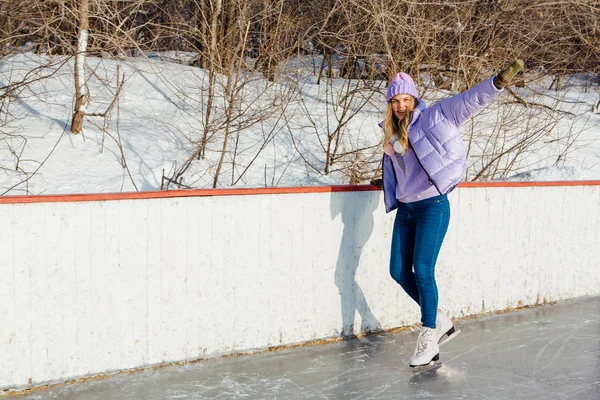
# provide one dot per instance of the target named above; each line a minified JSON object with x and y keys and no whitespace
{"x":444,"y":327}
{"x":427,"y":351}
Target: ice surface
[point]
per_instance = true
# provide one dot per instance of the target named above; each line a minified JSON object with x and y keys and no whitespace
{"x":547,"y":352}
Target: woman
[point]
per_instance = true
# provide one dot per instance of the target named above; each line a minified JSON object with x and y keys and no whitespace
{"x":424,"y":159}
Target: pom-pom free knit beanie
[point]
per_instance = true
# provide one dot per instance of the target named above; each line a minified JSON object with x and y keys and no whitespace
{"x":401,"y":84}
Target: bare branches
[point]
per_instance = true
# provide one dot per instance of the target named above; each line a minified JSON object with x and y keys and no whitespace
{"x":243,"y":53}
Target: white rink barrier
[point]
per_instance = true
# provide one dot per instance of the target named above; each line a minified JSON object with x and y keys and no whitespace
{"x":93,"y":284}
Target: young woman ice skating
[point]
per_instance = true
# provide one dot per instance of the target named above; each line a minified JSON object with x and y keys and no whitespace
{"x":424,"y":159}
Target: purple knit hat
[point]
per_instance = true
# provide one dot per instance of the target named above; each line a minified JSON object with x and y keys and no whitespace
{"x":401,"y":84}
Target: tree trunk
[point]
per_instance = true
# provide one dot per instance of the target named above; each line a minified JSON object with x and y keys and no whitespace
{"x":215,"y":62}
{"x":80,"y":92}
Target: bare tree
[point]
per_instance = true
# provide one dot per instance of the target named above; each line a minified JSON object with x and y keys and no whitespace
{"x":80,"y":90}
{"x":242,"y":50}
{"x":235,"y":98}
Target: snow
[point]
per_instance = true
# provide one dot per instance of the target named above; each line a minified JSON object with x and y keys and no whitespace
{"x":555,"y":173}
{"x":278,"y":132}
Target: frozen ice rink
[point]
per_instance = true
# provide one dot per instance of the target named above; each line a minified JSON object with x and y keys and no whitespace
{"x":547,"y":352}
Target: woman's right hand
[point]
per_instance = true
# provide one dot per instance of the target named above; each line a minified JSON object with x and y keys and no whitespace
{"x":377,"y":182}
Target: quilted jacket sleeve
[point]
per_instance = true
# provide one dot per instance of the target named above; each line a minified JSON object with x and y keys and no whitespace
{"x":462,"y":106}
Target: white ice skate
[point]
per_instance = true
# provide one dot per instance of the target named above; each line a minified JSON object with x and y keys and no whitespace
{"x":444,"y":327}
{"x":427,"y":351}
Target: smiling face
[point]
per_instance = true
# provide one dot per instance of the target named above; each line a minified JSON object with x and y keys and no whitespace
{"x":402,"y":104}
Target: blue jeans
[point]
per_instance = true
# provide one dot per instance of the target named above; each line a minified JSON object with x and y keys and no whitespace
{"x":419,"y":229}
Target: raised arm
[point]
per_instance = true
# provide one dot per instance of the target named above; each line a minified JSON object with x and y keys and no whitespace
{"x":462,"y":106}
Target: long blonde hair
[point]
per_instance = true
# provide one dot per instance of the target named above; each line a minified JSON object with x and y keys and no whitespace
{"x":392,"y":126}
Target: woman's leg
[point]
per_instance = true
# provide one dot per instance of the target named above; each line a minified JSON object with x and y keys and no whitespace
{"x":431,"y":217}
{"x":401,"y":259}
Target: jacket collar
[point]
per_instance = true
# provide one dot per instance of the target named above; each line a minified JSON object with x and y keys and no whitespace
{"x":421,"y":106}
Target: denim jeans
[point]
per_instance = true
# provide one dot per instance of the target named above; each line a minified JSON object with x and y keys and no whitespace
{"x":419,"y":229}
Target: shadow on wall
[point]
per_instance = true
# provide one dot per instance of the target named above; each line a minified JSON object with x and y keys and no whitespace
{"x":356,"y":209}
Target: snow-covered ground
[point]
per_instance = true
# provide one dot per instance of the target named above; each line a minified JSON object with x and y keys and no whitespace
{"x":277,"y":133}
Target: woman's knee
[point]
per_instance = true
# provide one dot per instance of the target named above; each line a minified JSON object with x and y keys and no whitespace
{"x":424,"y":277}
{"x":402,"y":278}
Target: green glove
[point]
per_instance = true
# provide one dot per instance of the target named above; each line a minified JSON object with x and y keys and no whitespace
{"x":506,"y":75}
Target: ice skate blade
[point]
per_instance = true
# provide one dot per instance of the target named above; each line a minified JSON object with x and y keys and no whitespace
{"x":427,"y":367}
{"x":450,"y":336}
{"x":435,"y":360}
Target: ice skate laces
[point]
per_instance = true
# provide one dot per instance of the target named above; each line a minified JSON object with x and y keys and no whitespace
{"x":424,"y":338}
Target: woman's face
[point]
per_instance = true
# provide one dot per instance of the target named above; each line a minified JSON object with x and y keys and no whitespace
{"x":402,"y":104}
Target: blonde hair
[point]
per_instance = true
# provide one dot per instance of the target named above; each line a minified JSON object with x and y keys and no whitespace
{"x":392,"y":126}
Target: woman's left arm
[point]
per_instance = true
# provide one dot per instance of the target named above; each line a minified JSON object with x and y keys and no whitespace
{"x":462,"y":106}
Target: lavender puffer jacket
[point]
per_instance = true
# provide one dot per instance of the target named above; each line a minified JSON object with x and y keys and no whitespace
{"x":435,"y":137}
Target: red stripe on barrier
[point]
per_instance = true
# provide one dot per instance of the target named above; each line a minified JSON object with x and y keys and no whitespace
{"x":182,"y":193}
{"x":163,"y":194}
